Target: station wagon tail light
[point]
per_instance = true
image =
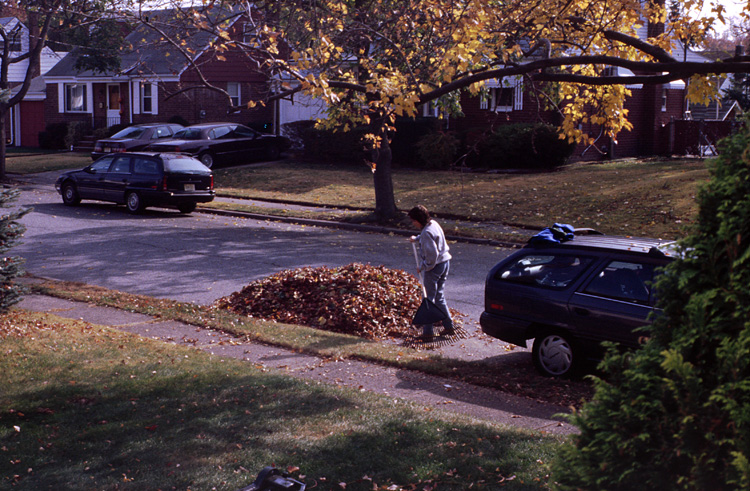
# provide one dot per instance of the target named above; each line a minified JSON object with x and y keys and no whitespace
{"x":164,"y":183}
{"x":211,"y":184}
{"x":496,"y":306}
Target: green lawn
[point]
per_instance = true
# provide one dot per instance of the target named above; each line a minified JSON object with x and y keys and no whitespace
{"x":86,"y":407}
{"x":640,"y":198}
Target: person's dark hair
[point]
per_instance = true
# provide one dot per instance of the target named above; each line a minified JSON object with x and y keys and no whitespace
{"x":420,"y":214}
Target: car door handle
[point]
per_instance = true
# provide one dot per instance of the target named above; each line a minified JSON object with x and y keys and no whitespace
{"x":581,"y":311}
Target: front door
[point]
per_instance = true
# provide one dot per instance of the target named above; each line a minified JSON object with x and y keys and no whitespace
{"x":114,"y":103}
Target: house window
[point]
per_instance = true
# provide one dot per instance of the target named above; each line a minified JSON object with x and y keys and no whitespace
{"x":664,"y":100}
{"x":147,"y":98}
{"x":14,"y":44}
{"x":503,"y":99}
{"x":506,"y":97}
{"x":75,"y":98}
{"x":233,"y":89}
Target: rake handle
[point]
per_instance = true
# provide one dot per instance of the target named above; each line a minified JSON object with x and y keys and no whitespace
{"x":419,"y":271}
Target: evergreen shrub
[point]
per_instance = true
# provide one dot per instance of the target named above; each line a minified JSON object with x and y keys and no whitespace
{"x":10,"y":266}
{"x":675,"y":414}
{"x":438,"y":150}
{"x":522,"y":146}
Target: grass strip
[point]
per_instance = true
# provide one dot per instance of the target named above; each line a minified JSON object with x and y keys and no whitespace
{"x":88,"y":407}
{"x":329,"y":344}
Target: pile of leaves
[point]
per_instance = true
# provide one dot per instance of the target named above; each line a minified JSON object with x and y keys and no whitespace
{"x":373,"y":302}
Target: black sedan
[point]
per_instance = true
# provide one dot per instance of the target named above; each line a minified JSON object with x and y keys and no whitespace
{"x":141,"y":179}
{"x":134,"y":138}
{"x":223,"y":143}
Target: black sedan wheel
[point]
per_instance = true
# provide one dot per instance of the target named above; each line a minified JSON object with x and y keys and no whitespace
{"x":70,"y":195}
{"x":553,"y":354}
{"x":206,"y":159}
{"x":273,"y":153}
{"x":134,"y":202}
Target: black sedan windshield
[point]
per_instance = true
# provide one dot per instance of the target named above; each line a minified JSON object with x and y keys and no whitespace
{"x":188,"y":134}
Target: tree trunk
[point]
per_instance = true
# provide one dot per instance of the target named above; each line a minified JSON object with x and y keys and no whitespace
{"x":3,"y":112}
{"x":385,"y":203}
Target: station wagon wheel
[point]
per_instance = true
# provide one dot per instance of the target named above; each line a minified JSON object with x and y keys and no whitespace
{"x":187,"y":207}
{"x":206,"y":159}
{"x":273,"y":152}
{"x":554,"y":354}
{"x":70,"y":195}
{"x":134,"y":202}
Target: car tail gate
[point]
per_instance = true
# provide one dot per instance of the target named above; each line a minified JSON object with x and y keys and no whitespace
{"x":189,"y":183}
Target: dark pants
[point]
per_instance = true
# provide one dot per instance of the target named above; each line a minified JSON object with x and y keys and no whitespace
{"x":434,"y":282}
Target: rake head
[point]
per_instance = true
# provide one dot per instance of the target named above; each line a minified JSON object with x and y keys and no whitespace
{"x":437,"y":340}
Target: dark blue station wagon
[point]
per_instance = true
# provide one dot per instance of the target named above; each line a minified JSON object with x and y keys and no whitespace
{"x":140,"y":179}
{"x":571,"y":296}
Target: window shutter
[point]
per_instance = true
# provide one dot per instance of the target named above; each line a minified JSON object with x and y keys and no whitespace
{"x":136,"y":88}
{"x":61,"y":98}
{"x":155,"y":98}
{"x":518,"y":95}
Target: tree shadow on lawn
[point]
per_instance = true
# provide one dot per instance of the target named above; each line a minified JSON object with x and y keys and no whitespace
{"x":213,"y":427}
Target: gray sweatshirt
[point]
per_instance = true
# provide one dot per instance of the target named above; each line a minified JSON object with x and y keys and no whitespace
{"x":432,"y":246}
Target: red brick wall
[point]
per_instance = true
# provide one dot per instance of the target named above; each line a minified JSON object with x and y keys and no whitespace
{"x":32,"y":122}
{"x":649,"y":136}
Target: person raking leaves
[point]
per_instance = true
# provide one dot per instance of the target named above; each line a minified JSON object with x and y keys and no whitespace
{"x":433,"y":265}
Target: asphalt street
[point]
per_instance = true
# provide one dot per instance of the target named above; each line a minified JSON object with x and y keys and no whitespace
{"x":202,"y":257}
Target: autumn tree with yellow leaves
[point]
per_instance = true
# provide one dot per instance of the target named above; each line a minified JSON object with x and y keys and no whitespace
{"x":374,"y":60}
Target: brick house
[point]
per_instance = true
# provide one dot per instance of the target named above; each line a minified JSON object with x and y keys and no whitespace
{"x":26,"y":119}
{"x":653,"y":110}
{"x":156,"y":83}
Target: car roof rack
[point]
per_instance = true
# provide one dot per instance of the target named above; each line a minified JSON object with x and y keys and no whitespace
{"x":654,"y":247}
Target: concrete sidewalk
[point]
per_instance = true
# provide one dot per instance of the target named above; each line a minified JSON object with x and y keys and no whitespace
{"x":430,"y":391}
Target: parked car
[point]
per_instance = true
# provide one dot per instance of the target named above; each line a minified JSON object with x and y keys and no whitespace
{"x":223,"y":143}
{"x":134,"y":138}
{"x":571,"y":296}
{"x":140,"y":179}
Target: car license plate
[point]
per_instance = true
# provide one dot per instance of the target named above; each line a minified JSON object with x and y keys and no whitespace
{"x":189,"y":187}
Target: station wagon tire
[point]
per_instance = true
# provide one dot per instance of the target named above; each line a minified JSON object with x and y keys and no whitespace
{"x":187,"y":207}
{"x":70,"y":195}
{"x":133,"y":202}
{"x":207,"y":159}
{"x":554,"y":354}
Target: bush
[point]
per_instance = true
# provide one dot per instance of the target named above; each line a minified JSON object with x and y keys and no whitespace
{"x":438,"y":150}
{"x":10,"y":267}
{"x":53,"y":136}
{"x":335,"y":146}
{"x":61,"y":136}
{"x":675,"y":414}
{"x":178,"y":120}
{"x":523,"y":146}
{"x":409,"y":131}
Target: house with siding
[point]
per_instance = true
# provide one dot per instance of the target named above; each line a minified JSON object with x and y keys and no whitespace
{"x":26,"y":119}
{"x":159,"y":81}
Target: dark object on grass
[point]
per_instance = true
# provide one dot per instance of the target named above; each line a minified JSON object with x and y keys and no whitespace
{"x":271,"y":479}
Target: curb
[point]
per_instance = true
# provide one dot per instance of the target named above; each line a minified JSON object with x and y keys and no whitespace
{"x":352,"y":226}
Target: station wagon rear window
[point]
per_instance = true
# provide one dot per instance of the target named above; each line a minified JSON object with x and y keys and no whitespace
{"x":184,"y":165}
{"x":547,"y":270}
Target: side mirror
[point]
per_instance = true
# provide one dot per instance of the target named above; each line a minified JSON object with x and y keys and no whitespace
{"x":89,"y":170}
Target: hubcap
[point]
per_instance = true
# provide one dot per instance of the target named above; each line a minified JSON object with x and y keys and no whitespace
{"x":556,"y":355}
